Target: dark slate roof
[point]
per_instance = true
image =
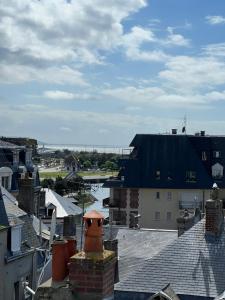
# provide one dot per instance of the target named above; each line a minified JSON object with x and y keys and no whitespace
{"x":7,"y":144}
{"x":3,"y":215}
{"x":16,"y":216}
{"x":135,"y":246}
{"x":29,"y":236}
{"x":14,"y":221}
{"x":193,"y":265}
{"x":173,"y":156}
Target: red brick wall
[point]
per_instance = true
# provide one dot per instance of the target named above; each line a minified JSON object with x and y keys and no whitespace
{"x":90,"y":279}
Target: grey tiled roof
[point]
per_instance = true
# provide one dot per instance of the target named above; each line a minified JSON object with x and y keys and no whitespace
{"x":7,"y":144}
{"x":135,"y":246}
{"x":192,"y":264}
{"x":13,"y":209}
{"x":3,"y":215}
{"x":29,"y":236}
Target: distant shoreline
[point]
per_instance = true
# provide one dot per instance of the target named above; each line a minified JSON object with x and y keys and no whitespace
{"x":86,"y":148}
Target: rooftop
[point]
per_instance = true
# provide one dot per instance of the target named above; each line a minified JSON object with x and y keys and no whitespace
{"x":193,"y":265}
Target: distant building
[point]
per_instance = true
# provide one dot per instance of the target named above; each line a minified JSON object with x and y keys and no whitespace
{"x":71,"y":163}
{"x":19,"y":176}
{"x":163,"y":175}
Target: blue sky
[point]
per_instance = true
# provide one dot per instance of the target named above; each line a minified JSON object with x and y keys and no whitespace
{"x":98,"y":72}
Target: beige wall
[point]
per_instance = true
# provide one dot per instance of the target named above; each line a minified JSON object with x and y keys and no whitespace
{"x":149,"y":205}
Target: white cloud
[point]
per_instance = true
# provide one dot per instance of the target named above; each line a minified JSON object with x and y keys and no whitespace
{"x":175,"y":39}
{"x":58,"y":95}
{"x":65,"y":129}
{"x":134,"y":40}
{"x":215,"y":50}
{"x":215,"y":20}
{"x":63,"y":95}
{"x":188,"y":73}
{"x":42,"y":33}
{"x":18,"y":73}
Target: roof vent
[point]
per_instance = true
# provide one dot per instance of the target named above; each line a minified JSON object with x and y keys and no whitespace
{"x":174,"y":131}
{"x":197,"y":134}
{"x":202,"y":133}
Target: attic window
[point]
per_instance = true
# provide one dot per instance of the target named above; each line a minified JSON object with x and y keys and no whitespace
{"x":217,"y":171}
{"x":16,"y":239}
{"x":190,"y":176}
{"x":157,"y":175}
{"x":204,"y":156}
{"x":216,"y":154}
{"x":5,"y":182}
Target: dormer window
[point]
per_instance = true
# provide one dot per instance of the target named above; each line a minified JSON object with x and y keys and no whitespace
{"x":217,"y":171}
{"x":16,"y":239}
{"x":204,"y":156}
{"x":6,"y":177}
{"x":216,"y":154}
{"x":190,"y":176}
{"x":157,"y":175}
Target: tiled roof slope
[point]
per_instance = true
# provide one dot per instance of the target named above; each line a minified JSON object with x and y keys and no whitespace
{"x":7,"y":144}
{"x":135,"y":246}
{"x":3,"y":215}
{"x":192,"y":264}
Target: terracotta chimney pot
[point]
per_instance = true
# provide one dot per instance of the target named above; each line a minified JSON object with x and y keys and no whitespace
{"x":93,"y":231}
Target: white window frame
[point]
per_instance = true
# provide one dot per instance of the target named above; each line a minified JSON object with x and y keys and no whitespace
{"x":157,"y":215}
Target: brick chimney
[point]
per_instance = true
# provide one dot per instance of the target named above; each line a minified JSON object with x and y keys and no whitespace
{"x":69,"y":233}
{"x":214,"y":219}
{"x":91,"y":272}
{"x":28,"y":197}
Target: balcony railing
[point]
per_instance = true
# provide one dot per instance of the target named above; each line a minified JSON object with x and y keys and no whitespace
{"x":190,"y":204}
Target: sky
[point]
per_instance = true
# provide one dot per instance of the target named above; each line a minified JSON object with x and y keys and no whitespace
{"x":98,"y":72}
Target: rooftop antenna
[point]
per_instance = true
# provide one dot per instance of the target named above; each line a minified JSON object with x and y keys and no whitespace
{"x":184,"y":128}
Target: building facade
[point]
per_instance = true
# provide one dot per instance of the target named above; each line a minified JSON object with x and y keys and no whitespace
{"x":19,"y":176}
{"x":163,"y":175}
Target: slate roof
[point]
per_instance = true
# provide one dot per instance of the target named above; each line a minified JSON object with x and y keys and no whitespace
{"x":3,"y":215}
{"x":193,"y":264}
{"x":4,"y":144}
{"x":135,"y":246}
{"x":173,"y":156}
{"x":64,"y":207}
{"x":16,"y":216}
{"x":11,"y":204}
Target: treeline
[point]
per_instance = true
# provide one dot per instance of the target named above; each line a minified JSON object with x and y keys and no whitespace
{"x":62,"y":186}
{"x":87,"y":160}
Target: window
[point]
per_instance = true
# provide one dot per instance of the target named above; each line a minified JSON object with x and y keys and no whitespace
{"x":157,"y":195}
{"x":169,"y":196}
{"x":190,"y":176}
{"x":5,"y":182}
{"x":216,"y":154}
{"x":217,"y":171}
{"x":50,"y":212}
{"x":169,"y":216}
{"x":204,"y":156}
{"x":157,"y":175}
{"x":157,"y":216}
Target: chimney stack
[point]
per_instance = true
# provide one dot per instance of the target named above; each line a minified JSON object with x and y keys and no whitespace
{"x":214,"y":218}
{"x":174,"y":131}
{"x":69,"y":234}
{"x":59,"y":260}
{"x":91,"y":272}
